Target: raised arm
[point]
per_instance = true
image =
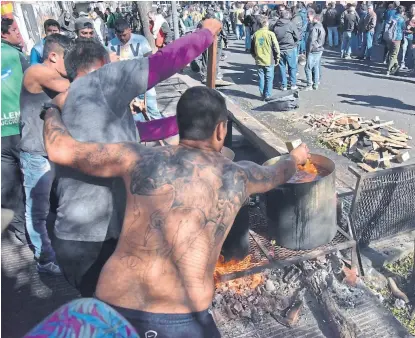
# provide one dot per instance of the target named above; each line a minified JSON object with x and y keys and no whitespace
{"x":134,"y":77}
{"x":94,"y":159}
{"x":261,"y":179}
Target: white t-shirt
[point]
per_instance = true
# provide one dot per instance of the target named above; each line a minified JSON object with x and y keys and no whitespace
{"x":135,"y":48}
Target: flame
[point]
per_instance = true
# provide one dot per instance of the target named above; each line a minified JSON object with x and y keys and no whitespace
{"x":223,"y":268}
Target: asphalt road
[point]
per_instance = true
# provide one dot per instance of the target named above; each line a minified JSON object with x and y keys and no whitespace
{"x":347,"y":86}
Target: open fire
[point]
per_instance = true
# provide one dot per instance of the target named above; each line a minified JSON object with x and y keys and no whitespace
{"x":223,"y":267}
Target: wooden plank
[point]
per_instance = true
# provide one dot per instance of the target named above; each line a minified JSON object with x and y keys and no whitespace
{"x":403,"y":157}
{"x":378,"y":138}
{"x":212,"y":59}
{"x":353,"y":132}
{"x":366,"y":167}
{"x":386,"y":159}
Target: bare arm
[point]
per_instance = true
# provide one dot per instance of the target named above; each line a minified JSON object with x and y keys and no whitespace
{"x":261,"y":179}
{"x":39,"y":77}
{"x":95,"y":159}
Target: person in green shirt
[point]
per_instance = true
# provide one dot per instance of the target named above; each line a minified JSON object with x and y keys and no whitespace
{"x":266,"y":51}
{"x":110,"y":23}
{"x":13,"y":65}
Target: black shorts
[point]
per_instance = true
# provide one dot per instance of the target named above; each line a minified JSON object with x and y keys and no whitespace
{"x":158,"y":325}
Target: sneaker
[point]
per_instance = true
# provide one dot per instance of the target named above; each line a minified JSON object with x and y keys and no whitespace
{"x":283,"y":89}
{"x":360,"y":58}
{"x":308,"y":88}
{"x":388,"y":73}
{"x":348,"y":57}
{"x":394,"y":69}
{"x":203,"y":80}
{"x":403,"y":67}
{"x":268,"y":98}
{"x":294,"y":87}
{"x":315,"y":87}
{"x":50,"y":268}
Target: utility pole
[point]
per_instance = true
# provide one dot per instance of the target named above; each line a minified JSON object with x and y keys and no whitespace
{"x":175,"y":19}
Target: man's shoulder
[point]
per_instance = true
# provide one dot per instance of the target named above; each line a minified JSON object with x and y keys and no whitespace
{"x":114,"y":42}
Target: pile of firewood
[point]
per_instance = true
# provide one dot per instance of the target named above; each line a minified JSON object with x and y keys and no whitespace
{"x":373,"y":144}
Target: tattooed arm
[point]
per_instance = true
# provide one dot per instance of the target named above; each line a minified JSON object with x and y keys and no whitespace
{"x":95,"y":159}
{"x":261,"y":179}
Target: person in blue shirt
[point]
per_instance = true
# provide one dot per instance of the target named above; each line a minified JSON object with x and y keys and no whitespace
{"x":395,"y":45}
{"x":36,"y":54}
{"x":134,"y":46}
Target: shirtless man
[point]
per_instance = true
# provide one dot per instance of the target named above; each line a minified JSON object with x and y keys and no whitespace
{"x":181,"y":203}
{"x":40,"y":81}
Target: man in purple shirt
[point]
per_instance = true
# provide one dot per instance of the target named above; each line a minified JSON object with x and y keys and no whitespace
{"x":91,"y":210}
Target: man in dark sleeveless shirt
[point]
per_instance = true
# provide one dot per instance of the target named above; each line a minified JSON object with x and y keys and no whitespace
{"x":40,"y":82}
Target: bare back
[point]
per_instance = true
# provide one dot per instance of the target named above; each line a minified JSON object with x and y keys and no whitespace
{"x":180,"y":207}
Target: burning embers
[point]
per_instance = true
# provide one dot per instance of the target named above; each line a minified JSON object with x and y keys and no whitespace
{"x":223,"y":267}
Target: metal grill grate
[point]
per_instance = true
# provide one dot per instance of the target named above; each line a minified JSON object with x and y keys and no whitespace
{"x":384,"y":204}
{"x":265,"y":255}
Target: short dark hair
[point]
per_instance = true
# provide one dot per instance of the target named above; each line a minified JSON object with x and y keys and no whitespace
{"x":5,"y":25}
{"x":51,"y":22}
{"x":56,"y":43}
{"x":363,"y":7}
{"x":121,"y":25}
{"x":159,"y":10}
{"x":83,"y":55}
{"x":199,"y":110}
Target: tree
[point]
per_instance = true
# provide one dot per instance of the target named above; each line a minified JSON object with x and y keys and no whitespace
{"x":143,"y":8}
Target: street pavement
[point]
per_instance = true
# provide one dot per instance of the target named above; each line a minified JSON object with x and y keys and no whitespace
{"x":347,"y":86}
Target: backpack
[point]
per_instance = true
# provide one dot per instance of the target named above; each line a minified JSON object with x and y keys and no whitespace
{"x":390,"y":30}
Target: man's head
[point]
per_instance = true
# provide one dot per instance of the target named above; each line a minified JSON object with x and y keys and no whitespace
{"x":286,"y":15}
{"x":84,"y":57}
{"x":94,"y":15}
{"x":363,"y":8}
{"x":117,"y":10}
{"x":412,"y":10}
{"x":51,"y":27}
{"x":311,"y":13}
{"x":123,"y":31}
{"x":370,"y":9}
{"x":202,"y":116}
{"x":317,"y":18}
{"x":263,"y":21}
{"x":159,"y":10}
{"x":396,"y":4}
{"x":107,"y":11}
{"x":330,"y":5}
{"x":400,"y":10}
{"x":10,"y":32}
{"x":54,"y":51}
{"x":281,"y":9}
{"x":84,"y":28}
{"x":152,"y":15}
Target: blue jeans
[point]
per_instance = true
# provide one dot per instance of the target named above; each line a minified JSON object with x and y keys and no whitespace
{"x":367,"y":44}
{"x":151,"y":105}
{"x":239,"y":31}
{"x":266,"y":79}
{"x":346,"y":44}
{"x":288,"y":57}
{"x":406,"y":43}
{"x":333,"y":32}
{"x":248,"y":38}
{"x":360,"y":39}
{"x":301,"y":46}
{"x":312,"y":68}
{"x":37,"y":181}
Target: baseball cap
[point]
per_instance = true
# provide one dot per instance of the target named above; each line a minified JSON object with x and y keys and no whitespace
{"x":82,"y":23}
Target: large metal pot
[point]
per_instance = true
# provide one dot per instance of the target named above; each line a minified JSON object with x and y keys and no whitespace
{"x":303,"y":215}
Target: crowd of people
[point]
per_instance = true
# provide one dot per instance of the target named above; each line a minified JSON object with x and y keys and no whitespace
{"x":140,"y":228}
